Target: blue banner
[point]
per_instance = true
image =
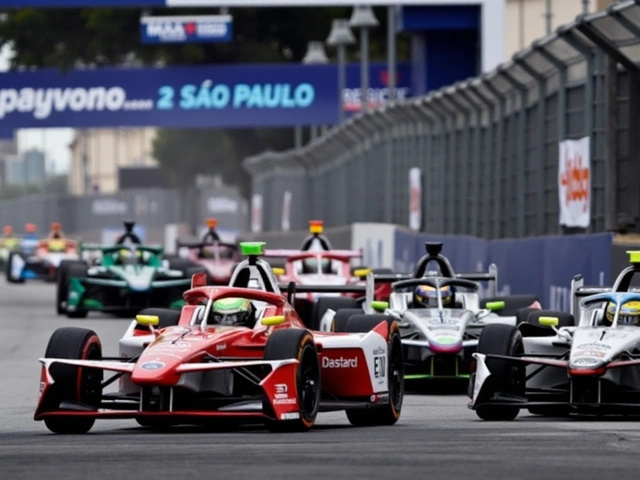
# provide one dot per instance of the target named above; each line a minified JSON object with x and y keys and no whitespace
{"x":193,"y":29}
{"x":81,"y":3}
{"x":275,"y":95}
{"x":220,"y":96}
{"x":7,"y":134}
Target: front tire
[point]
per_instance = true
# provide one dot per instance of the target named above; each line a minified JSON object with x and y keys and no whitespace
{"x":76,"y":270}
{"x":388,"y":413}
{"x":506,"y":377}
{"x":11,"y":259}
{"x":299,"y":344}
{"x":74,"y":384}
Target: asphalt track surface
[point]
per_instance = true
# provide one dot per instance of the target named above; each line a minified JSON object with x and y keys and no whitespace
{"x":436,"y":437}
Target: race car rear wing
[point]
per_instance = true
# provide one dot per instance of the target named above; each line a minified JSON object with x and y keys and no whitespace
{"x":285,"y":253}
{"x":491,"y":276}
{"x":292,"y":289}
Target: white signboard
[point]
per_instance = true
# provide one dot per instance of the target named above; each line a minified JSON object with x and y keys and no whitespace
{"x":415,"y":199}
{"x":286,"y":211}
{"x":574,"y":183}
{"x":256,"y":213}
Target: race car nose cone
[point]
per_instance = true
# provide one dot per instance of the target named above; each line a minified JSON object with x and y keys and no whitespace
{"x":445,"y":344}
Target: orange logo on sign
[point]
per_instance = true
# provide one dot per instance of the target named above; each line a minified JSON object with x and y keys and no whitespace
{"x":575,"y":180}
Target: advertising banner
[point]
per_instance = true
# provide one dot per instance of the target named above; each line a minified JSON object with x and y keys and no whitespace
{"x":256,"y":213}
{"x":196,"y":96}
{"x":574,"y":183}
{"x":213,"y":96}
{"x":378,"y":86}
{"x":192,"y":29}
{"x":218,"y":3}
{"x":415,"y":199}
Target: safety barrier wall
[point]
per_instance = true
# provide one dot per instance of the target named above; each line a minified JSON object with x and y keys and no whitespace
{"x":488,"y":147}
{"x":91,"y":215}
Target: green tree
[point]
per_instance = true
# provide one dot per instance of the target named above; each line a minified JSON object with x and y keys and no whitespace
{"x":69,"y":38}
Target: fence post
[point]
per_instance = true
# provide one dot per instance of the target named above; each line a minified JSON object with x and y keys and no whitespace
{"x":497,"y":193}
{"x":522,"y":144}
{"x":541,"y":123}
{"x":475,"y":153}
{"x":562,"y":105}
{"x":460,"y":213}
{"x":488,"y":149}
{"x":448,"y":123}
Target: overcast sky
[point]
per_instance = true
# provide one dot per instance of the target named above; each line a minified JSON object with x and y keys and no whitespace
{"x":54,"y":141}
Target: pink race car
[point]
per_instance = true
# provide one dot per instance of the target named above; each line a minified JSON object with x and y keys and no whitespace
{"x":219,"y":258}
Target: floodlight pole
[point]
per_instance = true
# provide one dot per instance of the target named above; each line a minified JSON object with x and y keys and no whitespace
{"x":391,"y":51}
{"x":364,"y":68}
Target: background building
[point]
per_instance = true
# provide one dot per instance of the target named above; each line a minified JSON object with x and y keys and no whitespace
{"x":8,"y":147}
{"x":527,"y":19}
{"x":106,"y":151}
{"x":27,"y":168}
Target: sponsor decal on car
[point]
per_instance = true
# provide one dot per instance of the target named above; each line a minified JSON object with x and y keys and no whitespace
{"x":290,"y":416}
{"x":154,"y":365}
{"x":446,"y":339}
{"x":593,"y":346}
{"x":586,"y":362}
{"x":339,"y":362}
{"x":589,"y":353}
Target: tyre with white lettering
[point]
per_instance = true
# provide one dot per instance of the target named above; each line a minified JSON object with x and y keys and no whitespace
{"x":299,"y":344}
{"x":73,"y":384}
{"x":386,"y":413}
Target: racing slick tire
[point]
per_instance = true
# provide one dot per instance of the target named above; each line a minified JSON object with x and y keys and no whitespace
{"x":299,"y":344}
{"x":388,"y":413}
{"x":77,"y":270}
{"x":167,"y":317}
{"x":74,"y":384}
{"x":341,"y":318}
{"x":506,"y":377}
{"x":512,"y":303}
{"x":62,"y":284}
{"x":10,"y":259}
{"x":322,"y":304}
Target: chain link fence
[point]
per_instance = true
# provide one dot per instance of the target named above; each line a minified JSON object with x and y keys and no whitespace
{"x":487,"y":147}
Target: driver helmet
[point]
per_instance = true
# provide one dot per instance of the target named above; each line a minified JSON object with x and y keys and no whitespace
{"x":127,"y":257}
{"x":310,"y":265}
{"x":426,"y":296}
{"x":629,"y":313}
{"x":236,"y":312}
{"x":30,"y":228}
{"x":7,"y":230}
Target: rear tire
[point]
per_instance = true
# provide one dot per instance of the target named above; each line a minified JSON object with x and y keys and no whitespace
{"x":322,"y":304}
{"x":341,"y":318}
{"x":10,"y":259}
{"x":506,"y":377}
{"x":62,"y":284}
{"x":299,"y":344}
{"x":77,"y":270}
{"x":389,"y":413}
{"x":74,"y":384}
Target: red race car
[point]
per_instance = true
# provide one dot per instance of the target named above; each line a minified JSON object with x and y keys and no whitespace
{"x":233,"y":354}
{"x":218,"y":257}
{"x":317,"y":263}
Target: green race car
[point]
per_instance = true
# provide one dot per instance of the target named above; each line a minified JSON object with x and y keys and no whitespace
{"x":123,"y":279}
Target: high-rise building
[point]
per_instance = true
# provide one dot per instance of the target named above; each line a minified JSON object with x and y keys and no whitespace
{"x":8,"y":147}
{"x":27,"y":168}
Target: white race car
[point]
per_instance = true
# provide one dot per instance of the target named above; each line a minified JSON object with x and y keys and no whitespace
{"x":551,"y":366}
{"x":439,"y":337}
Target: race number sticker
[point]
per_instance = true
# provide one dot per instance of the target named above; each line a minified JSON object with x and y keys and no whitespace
{"x":379,"y":366}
